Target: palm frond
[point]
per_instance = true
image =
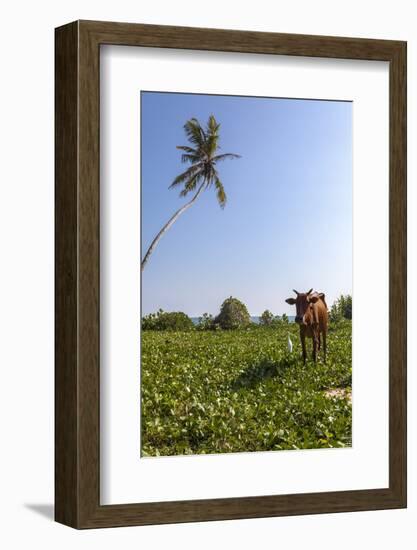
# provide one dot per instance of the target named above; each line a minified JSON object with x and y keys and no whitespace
{"x":221,"y":193}
{"x":190,"y":185}
{"x":212,"y":144}
{"x":187,"y":149}
{"x":192,"y":158}
{"x":212,"y":125}
{"x":209,"y":173}
{"x":190,"y":155}
{"x":184,"y":176}
{"x":195,"y":133}
{"x":225,"y":156}
{"x":212,"y":139}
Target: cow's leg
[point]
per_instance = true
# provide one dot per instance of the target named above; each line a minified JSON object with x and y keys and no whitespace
{"x":303,"y":345}
{"x":319,"y":343}
{"x":324,"y":344}
{"x":314,"y":347}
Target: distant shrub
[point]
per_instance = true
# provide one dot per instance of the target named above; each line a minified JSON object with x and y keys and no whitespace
{"x":266,"y":318}
{"x":205,"y":322}
{"x":233,"y":314}
{"x":164,"y":320}
{"x":341,"y":308}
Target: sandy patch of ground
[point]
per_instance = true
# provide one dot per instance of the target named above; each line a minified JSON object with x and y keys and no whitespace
{"x":340,"y":393}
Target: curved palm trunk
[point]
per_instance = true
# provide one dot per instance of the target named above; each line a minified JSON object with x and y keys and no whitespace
{"x":168,"y":225}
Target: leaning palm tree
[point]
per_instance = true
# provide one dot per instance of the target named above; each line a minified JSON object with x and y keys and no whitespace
{"x":202,"y":173}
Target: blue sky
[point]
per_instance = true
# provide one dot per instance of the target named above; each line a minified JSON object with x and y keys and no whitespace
{"x":288,"y":219}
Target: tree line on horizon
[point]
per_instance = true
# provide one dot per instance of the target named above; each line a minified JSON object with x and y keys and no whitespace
{"x":233,"y":315}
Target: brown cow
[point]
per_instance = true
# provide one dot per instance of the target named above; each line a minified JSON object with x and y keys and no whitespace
{"x":312,"y":317}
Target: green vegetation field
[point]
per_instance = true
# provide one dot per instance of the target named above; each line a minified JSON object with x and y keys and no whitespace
{"x":240,"y":390}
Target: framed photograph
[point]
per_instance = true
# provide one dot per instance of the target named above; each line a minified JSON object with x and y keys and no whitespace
{"x":230,"y":274}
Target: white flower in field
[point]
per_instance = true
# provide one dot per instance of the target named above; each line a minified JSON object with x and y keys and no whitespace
{"x":289,"y":344}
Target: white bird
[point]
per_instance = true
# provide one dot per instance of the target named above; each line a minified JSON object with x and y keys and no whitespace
{"x":289,"y":343}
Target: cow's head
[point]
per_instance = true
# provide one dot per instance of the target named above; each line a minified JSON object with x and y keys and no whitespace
{"x":304,"y":306}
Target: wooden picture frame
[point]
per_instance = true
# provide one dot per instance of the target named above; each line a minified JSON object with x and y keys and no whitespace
{"x":77,"y":372}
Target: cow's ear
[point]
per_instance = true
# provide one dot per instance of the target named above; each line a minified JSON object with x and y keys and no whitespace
{"x":291,"y":301}
{"x":313,"y":299}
